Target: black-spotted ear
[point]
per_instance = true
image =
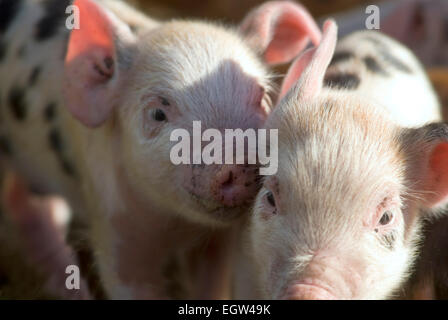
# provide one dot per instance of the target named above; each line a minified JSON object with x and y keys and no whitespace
{"x":280,"y":29}
{"x":426,"y":152}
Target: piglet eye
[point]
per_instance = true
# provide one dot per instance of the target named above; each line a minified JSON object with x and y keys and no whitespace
{"x":386,"y":218}
{"x":159,"y":115}
{"x":270,"y":198}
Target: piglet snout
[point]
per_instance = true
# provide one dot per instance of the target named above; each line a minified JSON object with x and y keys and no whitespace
{"x":303,"y":291}
{"x":234,"y":185}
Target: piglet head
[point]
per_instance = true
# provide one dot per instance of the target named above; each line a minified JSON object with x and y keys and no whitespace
{"x":151,"y":91}
{"x":340,"y":219}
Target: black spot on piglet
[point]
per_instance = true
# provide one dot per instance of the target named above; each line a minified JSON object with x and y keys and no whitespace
{"x":55,"y":140}
{"x":34,"y":75}
{"x":52,"y":20}
{"x":50,"y":111}
{"x":133,"y":28}
{"x":67,"y":167}
{"x":8,"y":11}
{"x":373,"y":66}
{"x":395,"y":62}
{"x":57,"y":145}
{"x":17,"y":103}
{"x":341,"y":56}
{"x":342,"y":81}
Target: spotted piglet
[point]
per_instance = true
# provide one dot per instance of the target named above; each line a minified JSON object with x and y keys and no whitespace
{"x":362,"y":159}
{"x":421,"y":25}
{"x":88,"y":114}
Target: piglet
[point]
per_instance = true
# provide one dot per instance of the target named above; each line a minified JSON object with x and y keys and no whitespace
{"x":88,"y":114}
{"x":41,"y":224}
{"x":422,"y":25}
{"x":362,"y":159}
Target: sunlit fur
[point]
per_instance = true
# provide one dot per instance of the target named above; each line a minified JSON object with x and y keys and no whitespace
{"x":216,"y":85}
{"x":335,"y":166}
{"x":205,"y":70}
{"x":340,"y":154}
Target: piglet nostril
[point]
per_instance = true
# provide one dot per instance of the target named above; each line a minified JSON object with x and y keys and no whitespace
{"x":233,"y":185}
{"x":229,"y":182}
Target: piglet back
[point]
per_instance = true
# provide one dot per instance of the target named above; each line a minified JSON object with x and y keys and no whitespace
{"x":384,"y":72}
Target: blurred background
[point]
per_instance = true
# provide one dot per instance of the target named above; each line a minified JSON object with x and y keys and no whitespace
{"x":233,"y":11}
{"x":421,"y":24}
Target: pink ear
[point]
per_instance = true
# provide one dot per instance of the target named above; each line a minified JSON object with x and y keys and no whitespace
{"x":281,"y":29}
{"x":91,"y":65}
{"x":311,"y":66}
{"x":426,"y":151}
{"x":436,"y":180}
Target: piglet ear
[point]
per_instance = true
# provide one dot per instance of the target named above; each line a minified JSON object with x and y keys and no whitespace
{"x":309,"y":69}
{"x":92,"y":74}
{"x":280,"y":29}
{"x":427,"y":153}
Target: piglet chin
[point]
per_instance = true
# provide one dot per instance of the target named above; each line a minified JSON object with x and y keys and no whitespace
{"x":303,"y":291}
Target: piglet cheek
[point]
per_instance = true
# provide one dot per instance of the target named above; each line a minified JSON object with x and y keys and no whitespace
{"x":195,"y":179}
